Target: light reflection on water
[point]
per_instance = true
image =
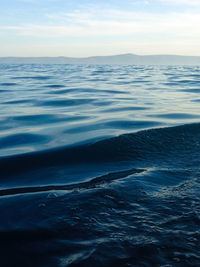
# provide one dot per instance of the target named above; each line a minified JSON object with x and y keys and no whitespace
{"x":56,"y":101}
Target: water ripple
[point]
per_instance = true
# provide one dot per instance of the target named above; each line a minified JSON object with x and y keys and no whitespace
{"x":88,"y":177}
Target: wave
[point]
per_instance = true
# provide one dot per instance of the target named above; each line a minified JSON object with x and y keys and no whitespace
{"x":177,"y":145}
{"x":65,"y":102}
{"x":128,"y":200}
{"x":93,"y":183}
{"x":23,"y":139}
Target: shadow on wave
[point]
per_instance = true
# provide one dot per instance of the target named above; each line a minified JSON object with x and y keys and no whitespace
{"x":94,"y":183}
{"x":174,"y":144}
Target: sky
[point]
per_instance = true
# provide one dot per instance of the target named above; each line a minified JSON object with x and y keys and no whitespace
{"x":82,"y":28}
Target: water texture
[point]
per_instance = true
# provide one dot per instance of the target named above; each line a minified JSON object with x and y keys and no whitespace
{"x":99,"y":165}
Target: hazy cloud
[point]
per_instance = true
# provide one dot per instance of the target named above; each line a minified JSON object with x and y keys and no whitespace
{"x":182,"y":2}
{"x":93,"y":27}
{"x":112,"y":23}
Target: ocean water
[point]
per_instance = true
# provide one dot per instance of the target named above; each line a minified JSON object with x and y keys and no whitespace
{"x":99,"y":165}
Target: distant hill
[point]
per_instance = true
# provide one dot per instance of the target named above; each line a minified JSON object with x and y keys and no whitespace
{"x":116,"y":59}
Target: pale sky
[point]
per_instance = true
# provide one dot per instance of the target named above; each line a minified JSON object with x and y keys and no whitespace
{"x":81,"y":28}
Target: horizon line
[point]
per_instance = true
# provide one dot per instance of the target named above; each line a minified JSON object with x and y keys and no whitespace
{"x":110,"y":55}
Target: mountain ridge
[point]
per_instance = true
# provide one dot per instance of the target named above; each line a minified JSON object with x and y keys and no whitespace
{"x":128,"y":58}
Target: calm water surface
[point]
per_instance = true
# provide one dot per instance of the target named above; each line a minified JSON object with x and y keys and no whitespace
{"x":99,"y":165}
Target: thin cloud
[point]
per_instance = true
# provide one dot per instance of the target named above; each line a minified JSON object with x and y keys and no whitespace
{"x":182,"y":2}
{"x":112,"y":23}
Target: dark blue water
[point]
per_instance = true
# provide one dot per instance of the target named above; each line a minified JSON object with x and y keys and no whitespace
{"x":99,"y":165}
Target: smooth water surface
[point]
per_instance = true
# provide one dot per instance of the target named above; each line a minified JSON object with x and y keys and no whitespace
{"x":99,"y":165}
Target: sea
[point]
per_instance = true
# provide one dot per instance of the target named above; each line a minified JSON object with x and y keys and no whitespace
{"x":99,"y":165}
